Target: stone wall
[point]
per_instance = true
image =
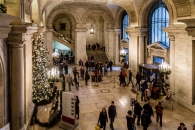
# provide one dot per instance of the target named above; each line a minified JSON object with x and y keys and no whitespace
{"x":183,"y":71}
{"x":98,"y":23}
{"x":3,"y":84}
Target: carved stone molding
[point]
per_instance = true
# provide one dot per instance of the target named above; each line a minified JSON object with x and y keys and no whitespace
{"x":137,"y":31}
{"x":191,"y":31}
{"x":4,"y":32}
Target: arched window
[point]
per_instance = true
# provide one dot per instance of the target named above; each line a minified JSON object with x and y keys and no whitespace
{"x":125,"y":24}
{"x":158,"y":19}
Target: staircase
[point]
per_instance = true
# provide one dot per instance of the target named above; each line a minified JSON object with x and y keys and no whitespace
{"x":102,"y":56}
{"x":98,"y":55}
{"x":64,"y":40}
{"x":90,"y":53}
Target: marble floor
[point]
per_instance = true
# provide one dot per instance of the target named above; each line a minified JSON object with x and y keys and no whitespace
{"x":94,"y":98}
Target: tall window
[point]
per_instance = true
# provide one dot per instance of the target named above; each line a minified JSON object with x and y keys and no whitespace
{"x":125,"y":24}
{"x":158,"y":19}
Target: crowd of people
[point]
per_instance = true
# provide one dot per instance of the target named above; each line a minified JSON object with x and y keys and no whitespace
{"x":141,"y":115}
{"x":95,"y":46}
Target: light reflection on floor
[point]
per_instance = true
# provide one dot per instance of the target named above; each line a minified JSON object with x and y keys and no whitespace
{"x":93,"y":100}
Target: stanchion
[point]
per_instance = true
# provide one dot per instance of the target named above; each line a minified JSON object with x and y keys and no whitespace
{"x":114,"y":82}
{"x":96,"y":82}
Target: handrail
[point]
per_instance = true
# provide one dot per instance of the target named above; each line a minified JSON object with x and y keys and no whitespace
{"x":63,"y":37}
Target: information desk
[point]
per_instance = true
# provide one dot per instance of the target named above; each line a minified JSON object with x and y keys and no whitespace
{"x":147,"y":69}
{"x":155,"y":93}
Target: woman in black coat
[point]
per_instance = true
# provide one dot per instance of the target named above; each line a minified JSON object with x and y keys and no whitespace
{"x":103,"y":118}
{"x":77,"y":107}
{"x":130,"y":120}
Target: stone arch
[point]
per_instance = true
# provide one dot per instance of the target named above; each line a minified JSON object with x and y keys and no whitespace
{"x":57,"y":10}
{"x":118,"y":17}
{"x":2,"y":88}
{"x":104,"y":14}
{"x":146,"y":6}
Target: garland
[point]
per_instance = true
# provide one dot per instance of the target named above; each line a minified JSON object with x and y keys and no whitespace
{"x":55,"y":120}
{"x":3,"y":9}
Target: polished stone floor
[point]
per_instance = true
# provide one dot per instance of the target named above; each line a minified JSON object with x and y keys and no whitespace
{"x":94,"y":98}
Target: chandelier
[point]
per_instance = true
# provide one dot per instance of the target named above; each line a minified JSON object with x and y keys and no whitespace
{"x":122,"y":53}
{"x":92,"y":28}
{"x":165,"y":68}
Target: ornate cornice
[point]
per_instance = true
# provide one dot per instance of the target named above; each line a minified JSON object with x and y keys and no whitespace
{"x":190,"y":26}
{"x":4,"y":32}
{"x":138,"y":31}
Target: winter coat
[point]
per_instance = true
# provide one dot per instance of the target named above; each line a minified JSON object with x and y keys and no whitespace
{"x":137,"y":109}
{"x":77,"y":107}
{"x":103,"y":118}
{"x":112,"y":111}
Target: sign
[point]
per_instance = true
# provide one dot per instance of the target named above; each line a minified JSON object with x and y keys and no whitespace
{"x":7,"y":127}
{"x":68,"y":108}
{"x":132,"y":101}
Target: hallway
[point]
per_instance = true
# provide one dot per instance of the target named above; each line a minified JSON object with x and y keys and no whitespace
{"x":94,"y":98}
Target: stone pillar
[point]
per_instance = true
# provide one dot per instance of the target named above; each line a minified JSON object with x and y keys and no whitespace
{"x":80,"y":45}
{"x":111,"y":43}
{"x":141,"y":49}
{"x":48,"y":41}
{"x":20,"y":50}
{"x":117,"y":46}
{"x":172,"y":62}
{"x":17,"y":85}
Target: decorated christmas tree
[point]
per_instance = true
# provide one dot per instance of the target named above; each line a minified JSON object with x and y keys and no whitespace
{"x":42,"y":91}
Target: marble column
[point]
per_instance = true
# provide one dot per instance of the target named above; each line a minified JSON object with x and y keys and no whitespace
{"x":111,"y":43}
{"x":17,"y":85}
{"x":20,"y":50}
{"x":80,"y":45}
{"x":172,"y":62}
{"x":117,"y":46}
{"x":141,"y":49}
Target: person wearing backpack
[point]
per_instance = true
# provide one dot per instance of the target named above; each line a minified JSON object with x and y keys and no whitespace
{"x":137,"y":111}
{"x":159,"y":112}
{"x":145,"y":120}
{"x":130,"y":121}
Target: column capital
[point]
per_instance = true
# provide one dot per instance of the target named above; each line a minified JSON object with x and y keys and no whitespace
{"x":16,"y":44}
{"x":21,"y":33}
{"x":118,"y":32}
{"x":171,"y":37}
{"x":138,"y":31}
{"x":175,"y":29}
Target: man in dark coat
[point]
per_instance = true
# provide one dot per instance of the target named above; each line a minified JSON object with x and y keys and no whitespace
{"x":87,"y":65}
{"x":112,"y":114}
{"x":149,"y":109}
{"x":137,"y":111}
{"x":159,"y":112}
{"x":87,"y":77}
{"x":110,"y":65}
{"x":145,"y":120}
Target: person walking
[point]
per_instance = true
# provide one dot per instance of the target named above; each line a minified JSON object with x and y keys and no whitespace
{"x":130,"y":120}
{"x":77,"y":101}
{"x":130,"y":77}
{"x":112,"y":114}
{"x":145,"y":121}
{"x":182,"y":126}
{"x":103,"y":118}
{"x":148,"y":93}
{"x":87,"y":77}
{"x":159,"y":112}
{"x":110,"y":65}
{"x":76,"y":80}
{"x":138,"y":80}
{"x":137,"y":111}
{"x":149,"y":109}
{"x":69,"y":81}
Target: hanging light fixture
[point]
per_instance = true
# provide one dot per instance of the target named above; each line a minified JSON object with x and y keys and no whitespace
{"x":91,"y":29}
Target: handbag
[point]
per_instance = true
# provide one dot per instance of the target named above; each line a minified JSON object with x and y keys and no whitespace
{"x":97,"y":127}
